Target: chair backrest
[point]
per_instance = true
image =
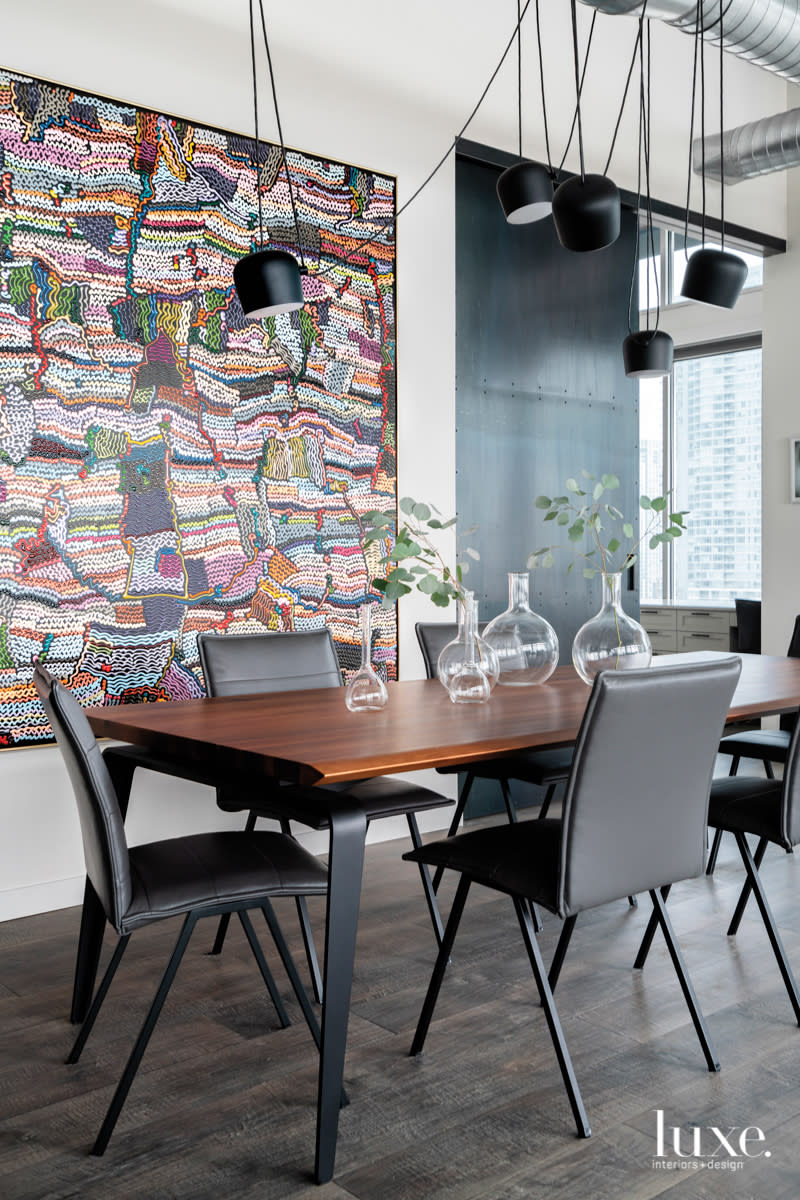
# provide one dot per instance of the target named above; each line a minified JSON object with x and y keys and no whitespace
{"x":636,"y":806}
{"x":433,"y":636}
{"x":105,"y":847}
{"x":748,"y":625}
{"x":236,"y":664}
{"x":789,"y":720}
{"x":790,"y":814}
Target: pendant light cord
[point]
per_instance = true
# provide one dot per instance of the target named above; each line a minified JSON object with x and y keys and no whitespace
{"x":636,"y":44}
{"x":258,"y":143}
{"x":702,"y":14}
{"x":303,"y":268}
{"x":541,"y":84}
{"x":635,"y":268}
{"x":721,"y":128}
{"x":578,"y":86}
{"x":651,"y":237}
{"x":519,"y":76}
{"x":691,"y":134}
{"x":645,"y":127}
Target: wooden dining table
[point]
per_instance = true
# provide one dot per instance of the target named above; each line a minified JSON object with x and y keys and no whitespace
{"x":310,"y":738}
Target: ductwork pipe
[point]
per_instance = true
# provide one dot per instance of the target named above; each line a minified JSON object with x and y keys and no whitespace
{"x":764,"y":32}
{"x":771,"y":144}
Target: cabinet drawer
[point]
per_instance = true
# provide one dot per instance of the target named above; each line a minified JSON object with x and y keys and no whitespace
{"x":663,"y":641}
{"x":659,"y":618}
{"x":703,"y":641}
{"x":704,"y":620}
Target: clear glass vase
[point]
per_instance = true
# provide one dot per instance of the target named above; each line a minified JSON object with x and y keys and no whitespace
{"x":611,"y":640}
{"x":455,"y":654}
{"x":525,"y":643}
{"x":365,"y":690}
{"x":468,"y":682}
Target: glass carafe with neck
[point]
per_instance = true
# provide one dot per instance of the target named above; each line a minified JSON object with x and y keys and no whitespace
{"x":365,"y":690}
{"x":525,"y":643}
{"x":455,"y":653}
{"x":611,"y":640}
{"x":469,"y":682}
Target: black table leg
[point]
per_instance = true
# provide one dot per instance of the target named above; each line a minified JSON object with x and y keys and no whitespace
{"x":348,"y":831}
{"x":90,"y":943}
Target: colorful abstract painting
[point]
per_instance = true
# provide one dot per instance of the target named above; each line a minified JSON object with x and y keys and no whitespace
{"x":167,"y":467}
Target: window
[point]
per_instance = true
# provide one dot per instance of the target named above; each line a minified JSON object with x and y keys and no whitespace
{"x":700,"y":433}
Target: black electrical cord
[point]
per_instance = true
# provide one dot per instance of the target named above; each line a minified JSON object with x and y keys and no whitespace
{"x":691,"y":137}
{"x":258,"y":143}
{"x":541,"y":84}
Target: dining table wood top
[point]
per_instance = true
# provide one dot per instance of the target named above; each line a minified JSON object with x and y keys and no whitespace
{"x":311,"y":736}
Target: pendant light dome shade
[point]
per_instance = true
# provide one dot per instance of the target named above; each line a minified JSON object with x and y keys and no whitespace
{"x":647,"y":354}
{"x":525,"y":192}
{"x":267,"y":283}
{"x":714,"y":277}
{"x":586,"y":213}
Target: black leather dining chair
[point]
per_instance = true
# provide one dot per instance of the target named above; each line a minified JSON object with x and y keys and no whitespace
{"x":765,"y":745}
{"x":634,"y":820}
{"x":768,"y":809}
{"x":195,"y":876}
{"x":274,"y":662}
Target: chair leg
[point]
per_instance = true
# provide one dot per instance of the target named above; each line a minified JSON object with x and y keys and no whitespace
{"x":427,"y":886}
{"x":132,"y":1065}
{"x":548,"y":797}
{"x":440,"y":965}
{"x":225,"y":919}
{"x":266,"y":974}
{"x":561,"y":951}
{"x":305,"y":930}
{"x":553,"y":1022}
{"x":713,"y":852}
{"x":744,"y":895}
{"x":511,"y":809}
{"x":97,"y":1002}
{"x":649,"y":933}
{"x":769,"y":922}
{"x":769,"y":769}
{"x":295,"y":980}
{"x":683,"y":978}
{"x":457,"y":815}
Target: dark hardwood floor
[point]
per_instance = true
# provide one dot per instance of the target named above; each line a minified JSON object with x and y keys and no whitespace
{"x":223,"y":1106}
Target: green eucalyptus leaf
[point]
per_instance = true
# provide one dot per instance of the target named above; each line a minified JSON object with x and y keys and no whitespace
{"x":532,"y":562}
{"x":379,"y":585}
{"x":645,"y":502}
{"x":675,"y":531}
{"x":561,"y":500}
{"x":400,"y":573}
{"x":442,"y":599}
{"x":627,"y":529}
{"x":615,"y":512}
{"x":428,"y":584}
{"x":569,"y":568}
{"x":572,"y":486}
{"x":676,"y":518}
{"x":452,"y":521}
{"x":659,"y":504}
{"x":613,"y":546}
{"x":563,"y":518}
{"x":407,"y":505}
{"x":543,"y":502}
{"x":589,"y":572}
{"x":576,"y":531}
{"x":434,"y":523}
{"x":473,"y":553}
{"x":551,"y":516}
{"x":405,"y":550}
{"x":461,"y":571}
{"x":422,"y":512}
{"x":598,"y":491}
{"x":654,"y":541}
{"x":610,"y":482}
{"x":586,"y":475}
{"x":394,"y":589}
{"x":548,"y":559}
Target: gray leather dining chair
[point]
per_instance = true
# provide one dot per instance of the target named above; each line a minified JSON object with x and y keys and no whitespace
{"x":278,"y":662}
{"x":196,"y":876}
{"x":633,"y":820}
{"x":768,"y":809}
{"x":767,"y":746}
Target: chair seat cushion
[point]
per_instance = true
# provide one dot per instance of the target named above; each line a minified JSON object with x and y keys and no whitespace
{"x":522,"y":859}
{"x":744,"y":804}
{"x":208,"y":869}
{"x":542,"y":767}
{"x":770,"y":744}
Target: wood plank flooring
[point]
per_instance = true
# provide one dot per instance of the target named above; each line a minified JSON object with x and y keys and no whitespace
{"x":223,"y":1105}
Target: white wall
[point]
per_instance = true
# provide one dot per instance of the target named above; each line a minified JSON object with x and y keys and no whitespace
{"x":387,"y":86}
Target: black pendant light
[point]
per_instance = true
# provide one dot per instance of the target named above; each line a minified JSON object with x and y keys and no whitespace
{"x":525,"y":191}
{"x":586,"y":208}
{"x":647,"y":353}
{"x":267,"y":281}
{"x":714,"y":277}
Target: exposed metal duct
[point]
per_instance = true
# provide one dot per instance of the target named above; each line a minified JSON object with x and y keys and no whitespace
{"x":771,"y":144}
{"x":764,"y":32}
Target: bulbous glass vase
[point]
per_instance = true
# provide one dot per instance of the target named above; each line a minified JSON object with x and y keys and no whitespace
{"x":456,"y":653}
{"x":525,"y":643}
{"x":365,"y":690}
{"x":611,"y":640}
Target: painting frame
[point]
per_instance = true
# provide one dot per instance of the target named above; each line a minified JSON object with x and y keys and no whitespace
{"x":794,"y":470}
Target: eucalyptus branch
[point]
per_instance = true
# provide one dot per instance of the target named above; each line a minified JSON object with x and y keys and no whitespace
{"x":584,"y":518}
{"x":430,"y":574}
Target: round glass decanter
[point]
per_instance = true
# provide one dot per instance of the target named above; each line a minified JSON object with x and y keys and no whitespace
{"x":468,"y":682}
{"x":454,"y":654}
{"x":611,"y":640}
{"x":525,"y":643}
{"x":365,"y":690}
